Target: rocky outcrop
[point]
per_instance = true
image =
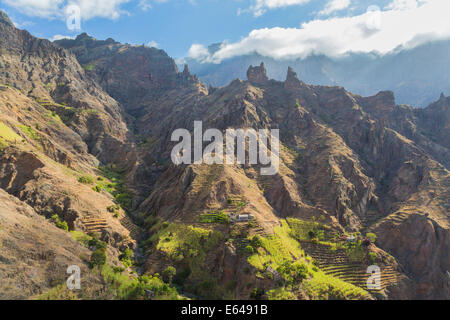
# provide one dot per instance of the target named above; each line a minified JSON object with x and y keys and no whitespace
{"x":292,"y":82}
{"x":258,"y":74}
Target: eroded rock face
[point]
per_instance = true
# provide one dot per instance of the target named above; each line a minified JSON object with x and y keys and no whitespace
{"x":422,"y":247}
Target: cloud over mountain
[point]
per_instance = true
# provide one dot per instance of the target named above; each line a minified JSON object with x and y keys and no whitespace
{"x":380,"y":30}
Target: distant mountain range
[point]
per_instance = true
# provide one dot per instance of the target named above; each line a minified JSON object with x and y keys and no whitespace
{"x":415,"y":75}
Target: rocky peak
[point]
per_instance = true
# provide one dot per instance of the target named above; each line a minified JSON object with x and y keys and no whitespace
{"x":83,"y":36}
{"x":257,"y":75}
{"x":292,"y":81}
{"x":5,"y":19}
{"x":186,"y":70}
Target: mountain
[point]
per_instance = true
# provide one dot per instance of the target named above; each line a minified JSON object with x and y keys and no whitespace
{"x":86,"y":175}
{"x":414,"y":75}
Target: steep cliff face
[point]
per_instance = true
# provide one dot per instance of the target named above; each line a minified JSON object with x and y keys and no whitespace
{"x":130,"y":74}
{"x":57,"y":127}
{"x":85,"y":133}
{"x":53,"y":78}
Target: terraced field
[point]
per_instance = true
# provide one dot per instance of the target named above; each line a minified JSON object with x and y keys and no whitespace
{"x":337,"y":264}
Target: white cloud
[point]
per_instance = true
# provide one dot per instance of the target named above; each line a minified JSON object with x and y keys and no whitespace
{"x":261,"y":6}
{"x":152,"y":44}
{"x":198,"y":52}
{"x":398,"y":26}
{"x":60,"y":37}
{"x":403,"y":4}
{"x":56,"y":8}
{"x":335,"y":5}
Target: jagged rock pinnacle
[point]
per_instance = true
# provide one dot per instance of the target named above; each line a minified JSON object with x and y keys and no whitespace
{"x":257,"y":74}
{"x":292,"y":81}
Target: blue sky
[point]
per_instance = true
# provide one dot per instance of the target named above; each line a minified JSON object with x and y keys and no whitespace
{"x":176,"y":25}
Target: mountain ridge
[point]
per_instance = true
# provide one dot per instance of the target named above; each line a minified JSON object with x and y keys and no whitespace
{"x":413,"y":74}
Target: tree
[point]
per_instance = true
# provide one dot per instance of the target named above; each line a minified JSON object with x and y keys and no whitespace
{"x":301,"y":273}
{"x":169,"y":273}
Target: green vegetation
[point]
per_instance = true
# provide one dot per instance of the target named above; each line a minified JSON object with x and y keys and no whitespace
{"x":282,"y":252}
{"x":116,"y":185}
{"x":293,"y":273}
{"x":89,"y":67}
{"x":274,"y":250}
{"x":187,"y":247}
{"x":54,"y":118}
{"x":98,"y":258}
{"x":324,"y":287}
{"x":95,"y":243}
{"x":371,"y":236}
{"x":113,"y":208}
{"x":169,"y":273}
{"x":81,"y":237}
{"x":31,"y":133}
{"x":7,"y":135}
{"x":219,"y":217}
{"x":308,"y":230}
{"x":355,"y":251}
{"x":280,"y":294}
{"x":59,"y":223}
{"x":107,"y":282}
{"x":60,"y":292}
{"x":86,"y":179}
{"x":125,"y":288}
{"x":257,"y":293}
{"x":127,"y":258}
{"x":373,"y":257}
{"x":186,"y":243}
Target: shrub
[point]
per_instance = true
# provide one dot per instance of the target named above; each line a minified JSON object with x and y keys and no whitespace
{"x":59,"y":223}
{"x":98,"y":257}
{"x":300,"y":273}
{"x":373,"y":257}
{"x":249,"y":250}
{"x":256,"y":242}
{"x":127,"y":257}
{"x":96,"y":243}
{"x":257,"y":293}
{"x":86,"y":180}
{"x":371,"y":236}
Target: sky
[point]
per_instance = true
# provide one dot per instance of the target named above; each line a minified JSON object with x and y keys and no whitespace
{"x":281,"y":29}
